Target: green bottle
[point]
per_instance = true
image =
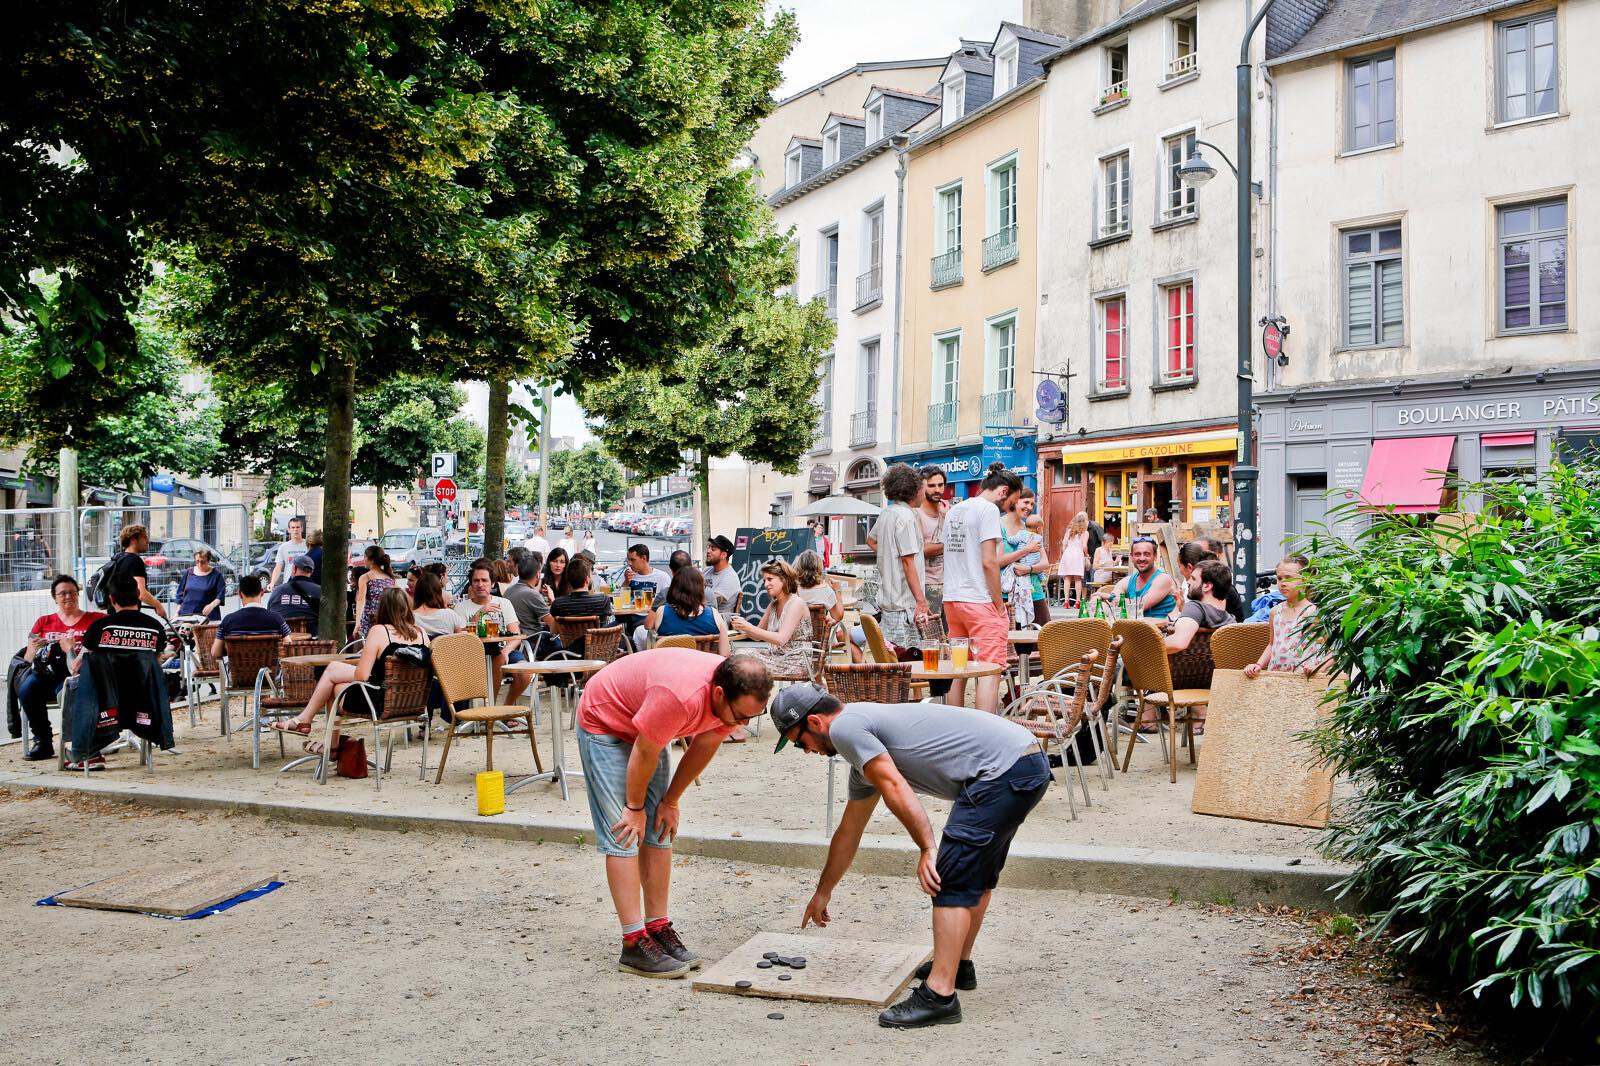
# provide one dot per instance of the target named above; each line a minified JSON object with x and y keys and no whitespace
{"x":483,"y":625}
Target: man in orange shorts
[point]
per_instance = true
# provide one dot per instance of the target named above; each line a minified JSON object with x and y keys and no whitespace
{"x":973,"y":604}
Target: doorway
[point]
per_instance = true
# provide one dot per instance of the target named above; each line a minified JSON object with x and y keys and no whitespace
{"x":1310,"y":507}
{"x":1159,"y":495}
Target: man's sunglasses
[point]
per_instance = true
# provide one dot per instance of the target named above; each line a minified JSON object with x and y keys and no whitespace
{"x":1142,"y":540}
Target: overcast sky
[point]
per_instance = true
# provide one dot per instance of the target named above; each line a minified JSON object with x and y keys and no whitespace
{"x":835,"y":34}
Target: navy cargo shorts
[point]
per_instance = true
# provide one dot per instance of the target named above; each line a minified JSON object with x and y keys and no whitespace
{"x":977,"y":838}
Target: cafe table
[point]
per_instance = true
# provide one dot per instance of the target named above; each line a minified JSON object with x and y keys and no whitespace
{"x":1025,"y":641}
{"x":510,"y":640}
{"x":558,"y":771}
{"x":946,"y":671}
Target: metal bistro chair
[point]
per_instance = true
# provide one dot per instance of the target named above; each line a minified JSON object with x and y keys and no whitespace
{"x":1062,"y":645}
{"x":252,"y":661}
{"x":399,"y":703}
{"x":862,"y":683}
{"x":1144,"y":656}
{"x":1055,"y":716}
{"x":1237,"y":646}
{"x":458,"y":664}
{"x":299,"y":681}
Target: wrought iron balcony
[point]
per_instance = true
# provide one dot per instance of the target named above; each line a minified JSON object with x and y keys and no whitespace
{"x":997,"y":408}
{"x":864,"y":428}
{"x":946,"y":269}
{"x":942,"y":422}
{"x":1000,"y":248}
{"x":869,"y":288}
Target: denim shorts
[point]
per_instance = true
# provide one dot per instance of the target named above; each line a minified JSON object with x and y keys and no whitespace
{"x":605,"y":773}
{"x":978,"y":835}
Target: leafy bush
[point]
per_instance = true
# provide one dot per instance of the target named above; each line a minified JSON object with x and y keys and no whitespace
{"x":1469,"y":725}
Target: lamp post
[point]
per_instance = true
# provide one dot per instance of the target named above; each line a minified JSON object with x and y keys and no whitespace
{"x":1196,"y":171}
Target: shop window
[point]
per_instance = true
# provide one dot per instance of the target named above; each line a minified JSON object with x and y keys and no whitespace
{"x":1210,"y":495}
{"x":1119,"y":502}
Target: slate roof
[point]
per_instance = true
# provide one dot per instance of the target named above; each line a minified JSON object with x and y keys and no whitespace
{"x":1349,"y":22}
{"x":972,"y":64}
{"x":1028,"y":33}
{"x":1137,"y":13}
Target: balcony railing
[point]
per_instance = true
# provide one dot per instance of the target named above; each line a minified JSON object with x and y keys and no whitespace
{"x":997,"y":407}
{"x":1000,"y":248}
{"x":1112,"y":93}
{"x":946,"y":269}
{"x":864,"y":428}
{"x":942,"y":422}
{"x":869,"y":288}
{"x":1181,"y":65}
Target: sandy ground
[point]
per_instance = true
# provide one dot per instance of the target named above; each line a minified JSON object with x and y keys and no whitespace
{"x":416,"y":947}
{"x":747,"y":790}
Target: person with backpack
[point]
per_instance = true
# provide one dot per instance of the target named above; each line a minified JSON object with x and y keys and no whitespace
{"x":128,"y":563}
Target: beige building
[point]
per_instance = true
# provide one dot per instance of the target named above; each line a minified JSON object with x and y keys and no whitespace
{"x":971,"y":251}
{"x":1431,"y":266}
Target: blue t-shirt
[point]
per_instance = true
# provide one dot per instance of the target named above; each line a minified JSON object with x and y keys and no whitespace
{"x":252,"y":621}
{"x":198,"y":591}
{"x":673,"y":624}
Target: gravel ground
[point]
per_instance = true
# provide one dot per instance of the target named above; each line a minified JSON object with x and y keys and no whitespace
{"x":422,"y":947}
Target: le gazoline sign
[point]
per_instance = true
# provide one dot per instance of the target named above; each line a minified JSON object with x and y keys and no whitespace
{"x":1151,"y":448}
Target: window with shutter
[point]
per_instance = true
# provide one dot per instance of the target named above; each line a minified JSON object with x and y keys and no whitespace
{"x":1179,"y":363}
{"x":1374,"y":294}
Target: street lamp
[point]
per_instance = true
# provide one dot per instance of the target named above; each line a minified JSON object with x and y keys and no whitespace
{"x":1197,"y":171}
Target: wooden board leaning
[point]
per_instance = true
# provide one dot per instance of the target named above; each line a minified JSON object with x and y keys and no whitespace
{"x":836,"y":970}
{"x":1253,"y":767}
{"x":176,"y":890}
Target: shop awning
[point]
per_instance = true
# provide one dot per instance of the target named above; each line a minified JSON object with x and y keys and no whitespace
{"x":1507,"y":440}
{"x":1405,"y":473}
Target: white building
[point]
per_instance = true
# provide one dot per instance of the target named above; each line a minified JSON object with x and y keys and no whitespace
{"x":1430,"y":267}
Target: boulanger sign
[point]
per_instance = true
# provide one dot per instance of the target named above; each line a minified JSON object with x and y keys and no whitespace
{"x":1535,"y":409}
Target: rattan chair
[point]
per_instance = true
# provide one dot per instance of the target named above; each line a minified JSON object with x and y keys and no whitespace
{"x":299,"y":681}
{"x":202,"y":668}
{"x":1062,"y":645}
{"x":1144,"y":656}
{"x":299,"y":626}
{"x":868,"y":682}
{"x":458,"y":664}
{"x":572,"y":630}
{"x":399,"y":703}
{"x":251,"y":661}
{"x":706,"y":643}
{"x":1192,"y":667}
{"x":1236,"y":647}
{"x":604,"y":643}
{"x":877,"y":646}
{"x":1053,"y":711}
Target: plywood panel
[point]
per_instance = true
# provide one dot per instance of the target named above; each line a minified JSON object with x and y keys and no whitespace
{"x":837,"y":970}
{"x":1252,"y":766}
{"x":175,"y":889}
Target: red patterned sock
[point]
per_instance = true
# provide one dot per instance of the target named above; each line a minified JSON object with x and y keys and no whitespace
{"x":630,"y":939}
{"x":655,"y":925}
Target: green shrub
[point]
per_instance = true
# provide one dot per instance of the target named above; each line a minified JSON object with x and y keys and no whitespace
{"x":1468,"y":725}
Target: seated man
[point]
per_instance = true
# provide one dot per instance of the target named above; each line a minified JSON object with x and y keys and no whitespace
{"x":299,"y":597}
{"x":251,"y":619}
{"x":1206,"y":606}
{"x":481,"y":602}
{"x":527,"y":597}
{"x":579,"y":601}
{"x":678,"y":560}
{"x":120,"y":684}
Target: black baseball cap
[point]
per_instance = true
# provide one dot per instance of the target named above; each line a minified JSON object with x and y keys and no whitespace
{"x":790,"y":708}
{"x":722,"y":543}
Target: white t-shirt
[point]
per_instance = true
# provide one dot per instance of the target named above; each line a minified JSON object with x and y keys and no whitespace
{"x":469,"y":612}
{"x":536,"y":543}
{"x":568,"y":545}
{"x":966,"y":527}
{"x":288,"y":552}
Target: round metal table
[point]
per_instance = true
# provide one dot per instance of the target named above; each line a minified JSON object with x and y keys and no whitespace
{"x":558,"y":771}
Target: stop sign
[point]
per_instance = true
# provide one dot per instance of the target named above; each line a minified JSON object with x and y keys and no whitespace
{"x":445,"y":491}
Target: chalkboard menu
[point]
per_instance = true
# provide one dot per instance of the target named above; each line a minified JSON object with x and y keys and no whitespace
{"x":753,"y":549}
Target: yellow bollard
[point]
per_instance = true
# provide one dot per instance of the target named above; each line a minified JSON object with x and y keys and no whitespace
{"x":491,"y":792}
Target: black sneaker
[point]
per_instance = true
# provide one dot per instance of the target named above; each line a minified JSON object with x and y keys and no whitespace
{"x":673,"y":945}
{"x":43,"y":748}
{"x":646,"y":958}
{"x":921,"y":1008}
{"x":966,"y":974}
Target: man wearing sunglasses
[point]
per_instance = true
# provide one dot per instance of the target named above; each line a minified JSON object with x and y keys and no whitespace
{"x":629,"y":715}
{"x":1149,"y":586}
{"x":991,"y":767}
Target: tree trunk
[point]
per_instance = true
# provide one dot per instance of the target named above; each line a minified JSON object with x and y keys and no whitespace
{"x":272,"y":493}
{"x":702,"y":477}
{"x":341,"y":409}
{"x":494,"y":467}
{"x":381,"y":509}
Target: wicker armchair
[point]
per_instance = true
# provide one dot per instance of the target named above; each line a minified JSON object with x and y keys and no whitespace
{"x":1062,"y":647}
{"x":399,"y":703}
{"x":202,"y":667}
{"x":604,"y":644}
{"x":1192,"y":667}
{"x":572,"y":630}
{"x":1055,"y":716}
{"x":299,"y":626}
{"x":1236,"y":647}
{"x":706,"y":643}
{"x":1144,"y":656}
{"x":877,"y":646}
{"x":868,"y":682}
{"x":253,"y":661}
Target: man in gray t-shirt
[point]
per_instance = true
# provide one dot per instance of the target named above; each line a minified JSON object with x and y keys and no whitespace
{"x":902,"y":607}
{"x":991,"y":767}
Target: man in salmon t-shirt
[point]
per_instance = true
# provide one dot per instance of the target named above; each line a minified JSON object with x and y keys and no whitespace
{"x":630,"y":714}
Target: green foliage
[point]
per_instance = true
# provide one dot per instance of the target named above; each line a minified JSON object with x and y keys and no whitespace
{"x":1468,"y":724}
{"x":575,"y":474}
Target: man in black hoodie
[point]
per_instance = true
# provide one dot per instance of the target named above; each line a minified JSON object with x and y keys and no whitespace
{"x":300,"y":596}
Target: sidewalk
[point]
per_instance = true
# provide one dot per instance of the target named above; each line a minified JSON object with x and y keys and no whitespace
{"x":1138,"y":838}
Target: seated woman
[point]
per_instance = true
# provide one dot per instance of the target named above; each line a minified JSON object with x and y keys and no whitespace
{"x":433,"y":616}
{"x":1293,"y":646}
{"x":201,"y":589}
{"x":555,"y":574}
{"x":817,"y":588}
{"x":54,"y":647}
{"x":785,"y":627}
{"x":1206,"y":606}
{"x":442,"y":572}
{"x":393,"y":626}
{"x":578,"y":601}
{"x":684,"y":612}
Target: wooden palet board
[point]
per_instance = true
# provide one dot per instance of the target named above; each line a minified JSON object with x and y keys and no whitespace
{"x":1252,"y":766}
{"x":176,"y":890}
{"x":837,"y":970}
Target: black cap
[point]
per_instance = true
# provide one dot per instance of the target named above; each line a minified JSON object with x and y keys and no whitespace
{"x":791,"y":706}
{"x":719,"y":541}
{"x":304,"y":562}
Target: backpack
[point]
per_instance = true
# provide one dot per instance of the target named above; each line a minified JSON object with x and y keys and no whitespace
{"x":100,"y":583}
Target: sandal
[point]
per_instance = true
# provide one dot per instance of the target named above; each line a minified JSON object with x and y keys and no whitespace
{"x":313,"y":747}
{"x":291,"y":726}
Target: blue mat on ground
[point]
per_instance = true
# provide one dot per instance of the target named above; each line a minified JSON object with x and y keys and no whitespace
{"x":243,"y":897}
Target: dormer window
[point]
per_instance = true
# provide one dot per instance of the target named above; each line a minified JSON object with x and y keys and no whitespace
{"x":830,"y":147}
{"x":955,"y":99}
{"x":1005,"y":69}
{"x":791,"y":168}
{"x":875,"y":122}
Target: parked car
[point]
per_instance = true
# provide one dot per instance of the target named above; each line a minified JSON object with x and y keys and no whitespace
{"x":166,"y":560}
{"x":681,"y":528}
{"x":558,"y":521}
{"x":516,"y":533}
{"x":413,"y":547}
{"x":460,"y":546}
